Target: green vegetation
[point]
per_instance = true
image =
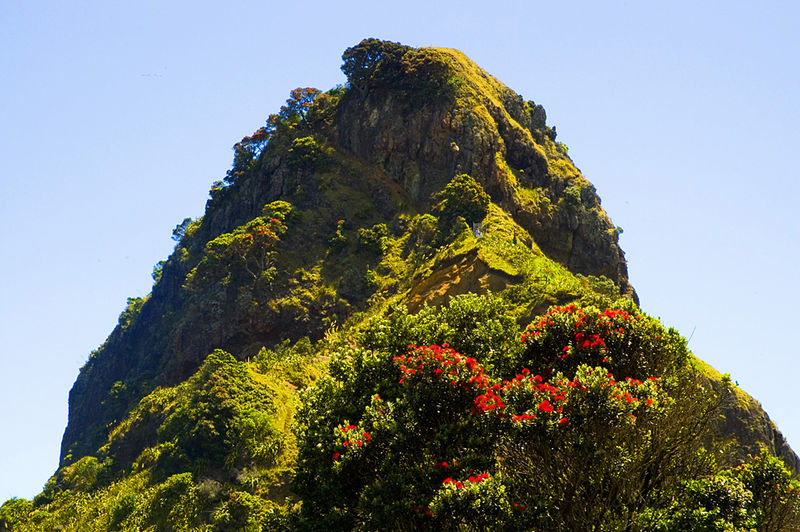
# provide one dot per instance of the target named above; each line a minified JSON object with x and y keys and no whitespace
{"x":333,"y":345}
{"x":249,"y":248}
{"x":211,"y":453}
{"x":371,"y":61}
{"x":431,"y":421}
{"x":463,"y":197}
{"x":442,"y":419}
{"x":133,"y":308}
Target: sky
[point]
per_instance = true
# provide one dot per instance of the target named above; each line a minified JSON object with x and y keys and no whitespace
{"x":116,"y":117}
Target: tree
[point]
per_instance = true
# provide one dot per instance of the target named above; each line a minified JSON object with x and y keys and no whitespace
{"x":759,"y":494}
{"x":180,"y":229}
{"x":572,"y":428}
{"x":249,"y":249}
{"x":463,"y":196}
{"x":370,"y":61}
{"x":290,"y":116}
{"x":245,"y":152}
{"x":776,"y":495}
{"x":294,"y":113}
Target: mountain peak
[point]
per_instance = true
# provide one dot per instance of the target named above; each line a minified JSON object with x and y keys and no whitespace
{"x":423,"y":210}
{"x":425,"y":115}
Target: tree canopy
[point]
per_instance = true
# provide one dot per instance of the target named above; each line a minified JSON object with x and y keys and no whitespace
{"x":577,"y":424}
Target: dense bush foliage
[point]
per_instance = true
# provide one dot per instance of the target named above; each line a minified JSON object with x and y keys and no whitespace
{"x":305,"y":152}
{"x":370,"y":61}
{"x":247,"y":251}
{"x":421,"y":73}
{"x":218,"y":418}
{"x":587,"y":432}
{"x":202,"y":455}
{"x":462,"y":197}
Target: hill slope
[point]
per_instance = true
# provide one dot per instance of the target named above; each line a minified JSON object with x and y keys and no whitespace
{"x":424,"y":179}
{"x":358,"y":162}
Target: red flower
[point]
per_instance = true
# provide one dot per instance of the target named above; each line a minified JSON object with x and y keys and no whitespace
{"x":628,"y":397}
{"x":545,"y":406}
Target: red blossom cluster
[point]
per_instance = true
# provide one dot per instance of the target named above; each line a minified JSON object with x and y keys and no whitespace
{"x":543,"y":401}
{"x":475,"y":479}
{"x":553,"y":397}
{"x":586,"y":333}
{"x":444,"y":364}
{"x":488,"y":401}
{"x":353,"y":438}
{"x":457,"y":483}
{"x":589,"y":340}
{"x":635,"y":385}
{"x":534,"y":330}
{"x":606,"y":323}
{"x":444,"y":464}
{"x":427,"y":510}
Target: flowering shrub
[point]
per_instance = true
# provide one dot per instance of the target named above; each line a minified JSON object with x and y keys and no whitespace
{"x":415,"y":428}
{"x":420,"y":435}
{"x":628,"y":343}
{"x":592,"y":394}
{"x":439,"y":382}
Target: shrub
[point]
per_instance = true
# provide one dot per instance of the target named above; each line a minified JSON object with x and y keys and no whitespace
{"x":407,"y":432}
{"x":373,"y":238}
{"x":462,"y":197}
{"x":338,"y":241}
{"x":306,"y":153}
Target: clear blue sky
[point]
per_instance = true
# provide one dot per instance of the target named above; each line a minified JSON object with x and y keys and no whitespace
{"x":117,"y":116}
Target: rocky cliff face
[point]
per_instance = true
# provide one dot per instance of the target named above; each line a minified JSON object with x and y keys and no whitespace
{"x":369,"y":155}
{"x":488,"y":131}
